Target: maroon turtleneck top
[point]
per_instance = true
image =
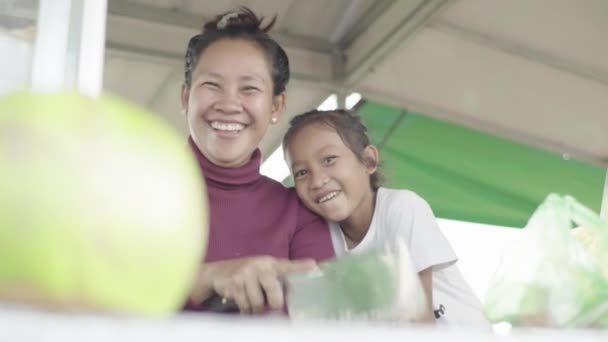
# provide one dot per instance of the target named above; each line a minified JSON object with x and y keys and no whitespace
{"x":252,"y":215}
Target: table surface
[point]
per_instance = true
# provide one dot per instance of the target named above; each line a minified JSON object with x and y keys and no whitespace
{"x":26,"y":324}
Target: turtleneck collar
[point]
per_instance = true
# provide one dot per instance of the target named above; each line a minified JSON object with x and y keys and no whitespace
{"x":231,"y":177}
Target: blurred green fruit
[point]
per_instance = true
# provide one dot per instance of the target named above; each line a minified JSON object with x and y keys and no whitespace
{"x":102,"y":206}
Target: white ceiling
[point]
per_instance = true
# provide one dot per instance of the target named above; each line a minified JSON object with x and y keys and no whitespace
{"x":535,"y":71}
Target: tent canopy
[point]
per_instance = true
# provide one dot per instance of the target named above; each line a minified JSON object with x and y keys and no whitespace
{"x":534,"y":72}
{"x":530,"y":71}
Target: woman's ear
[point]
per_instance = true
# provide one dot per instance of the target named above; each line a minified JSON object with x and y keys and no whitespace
{"x":371,"y":158}
{"x":184,"y":96}
{"x":278,"y":107}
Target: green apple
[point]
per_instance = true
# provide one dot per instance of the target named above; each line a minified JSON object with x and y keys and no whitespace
{"x":102,"y":206}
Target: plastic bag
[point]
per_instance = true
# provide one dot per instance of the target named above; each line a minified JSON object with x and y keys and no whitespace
{"x":379,"y":284}
{"x":554,"y":275}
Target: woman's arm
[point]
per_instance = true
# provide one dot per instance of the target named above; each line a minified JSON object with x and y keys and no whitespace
{"x":251,"y":282}
{"x":311,"y":238}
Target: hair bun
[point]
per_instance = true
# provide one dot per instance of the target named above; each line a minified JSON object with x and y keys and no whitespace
{"x":241,"y":19}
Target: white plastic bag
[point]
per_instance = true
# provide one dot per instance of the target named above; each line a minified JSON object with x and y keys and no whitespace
{"x":377,"y":285}
{"x":548,"y":277}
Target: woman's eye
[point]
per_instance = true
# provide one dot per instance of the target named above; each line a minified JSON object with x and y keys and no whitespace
{"x":210,"y":84}
{"x":250,"y":89}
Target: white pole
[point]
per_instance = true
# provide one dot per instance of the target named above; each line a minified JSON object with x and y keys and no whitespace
{"x":69,"y":47}
{"x":91,"y":61}
{"x":50,"y":47}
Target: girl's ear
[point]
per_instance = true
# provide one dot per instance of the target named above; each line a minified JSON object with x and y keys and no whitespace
{"x":184,"y":96}
{"x":371,"y":158}
{"x":278,"y":107}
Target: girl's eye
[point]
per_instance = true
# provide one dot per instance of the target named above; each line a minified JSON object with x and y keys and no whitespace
{"x":299,"y":174}
{"x":329,"y":160}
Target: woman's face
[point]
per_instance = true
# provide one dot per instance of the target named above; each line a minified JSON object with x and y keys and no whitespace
{"x":230,"y":102}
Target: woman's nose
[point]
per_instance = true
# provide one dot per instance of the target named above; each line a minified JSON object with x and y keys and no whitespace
{"x":228,"y":102}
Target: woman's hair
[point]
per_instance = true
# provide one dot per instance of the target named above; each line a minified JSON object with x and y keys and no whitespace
{"x":350,"y":129}
{"x":240,"y":24}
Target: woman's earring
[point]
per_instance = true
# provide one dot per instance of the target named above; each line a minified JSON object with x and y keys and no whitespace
{"x":273,"y":120}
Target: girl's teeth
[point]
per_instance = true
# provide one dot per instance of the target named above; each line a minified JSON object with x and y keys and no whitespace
{"x":328,"y":197}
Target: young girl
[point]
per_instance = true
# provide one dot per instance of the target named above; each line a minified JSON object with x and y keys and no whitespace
{"x":234,"y":90}
{"x":335,"y":169}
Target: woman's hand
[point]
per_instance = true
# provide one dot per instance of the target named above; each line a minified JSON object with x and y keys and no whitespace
{"x":251,"y":282}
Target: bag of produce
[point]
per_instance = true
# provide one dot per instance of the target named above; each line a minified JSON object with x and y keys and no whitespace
{"x":379,"y":284}
{"x":554,"y":275}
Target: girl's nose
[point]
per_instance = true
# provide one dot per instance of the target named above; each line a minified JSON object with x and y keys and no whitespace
{"x":319,"y":180}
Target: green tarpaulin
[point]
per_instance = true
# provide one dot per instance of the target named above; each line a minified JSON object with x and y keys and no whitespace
{"x":472,"y":176}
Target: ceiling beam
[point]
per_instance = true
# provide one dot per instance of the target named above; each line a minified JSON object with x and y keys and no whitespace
{"x":375,"y":10}
{"x":387,"y":32}
{"x":343,"y":24}
{"x":194,"y":23}
{"x":520,"y":50}
{"x":161,"y":41}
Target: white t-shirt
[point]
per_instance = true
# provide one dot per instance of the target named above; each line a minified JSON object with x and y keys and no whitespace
{"x":402,"y":214}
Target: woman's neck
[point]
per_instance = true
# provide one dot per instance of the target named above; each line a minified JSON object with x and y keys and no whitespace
{"x":229,"y":178}
{"x":356,"y":226}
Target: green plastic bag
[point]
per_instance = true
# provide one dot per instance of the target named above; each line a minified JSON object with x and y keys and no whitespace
{"x":554,"y":276}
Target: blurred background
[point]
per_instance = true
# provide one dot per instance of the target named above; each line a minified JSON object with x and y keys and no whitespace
{"x":483,"y":107}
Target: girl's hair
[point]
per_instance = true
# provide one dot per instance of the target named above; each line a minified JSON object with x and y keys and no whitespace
{"x":350,"y":129}
{"x":240,"y":24}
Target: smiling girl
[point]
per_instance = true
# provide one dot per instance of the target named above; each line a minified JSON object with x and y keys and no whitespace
{"x":335,"y":169}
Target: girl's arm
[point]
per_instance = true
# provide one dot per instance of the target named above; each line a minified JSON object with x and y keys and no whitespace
{"x":426,"y":278}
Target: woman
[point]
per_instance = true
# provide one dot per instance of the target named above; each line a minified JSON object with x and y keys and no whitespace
{"x":234,"y":89}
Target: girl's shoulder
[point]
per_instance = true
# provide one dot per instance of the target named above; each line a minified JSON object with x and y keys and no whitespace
{"x":400,"y":197}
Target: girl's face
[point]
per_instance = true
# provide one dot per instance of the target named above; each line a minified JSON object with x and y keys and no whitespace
{"x":328,"y":177}
{"x":230,"y":103}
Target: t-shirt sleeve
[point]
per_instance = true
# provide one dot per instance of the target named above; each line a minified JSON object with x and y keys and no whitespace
{"x":428,"y":246}
{"x":311,"y":238}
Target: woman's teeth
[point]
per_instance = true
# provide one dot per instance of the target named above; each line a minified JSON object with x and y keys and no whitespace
{"x":328,"y":197}
{"x":232,"y":127}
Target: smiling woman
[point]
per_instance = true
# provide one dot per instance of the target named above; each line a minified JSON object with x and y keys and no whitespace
{"x":234,"y":89}
{"x":231,"y":101}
